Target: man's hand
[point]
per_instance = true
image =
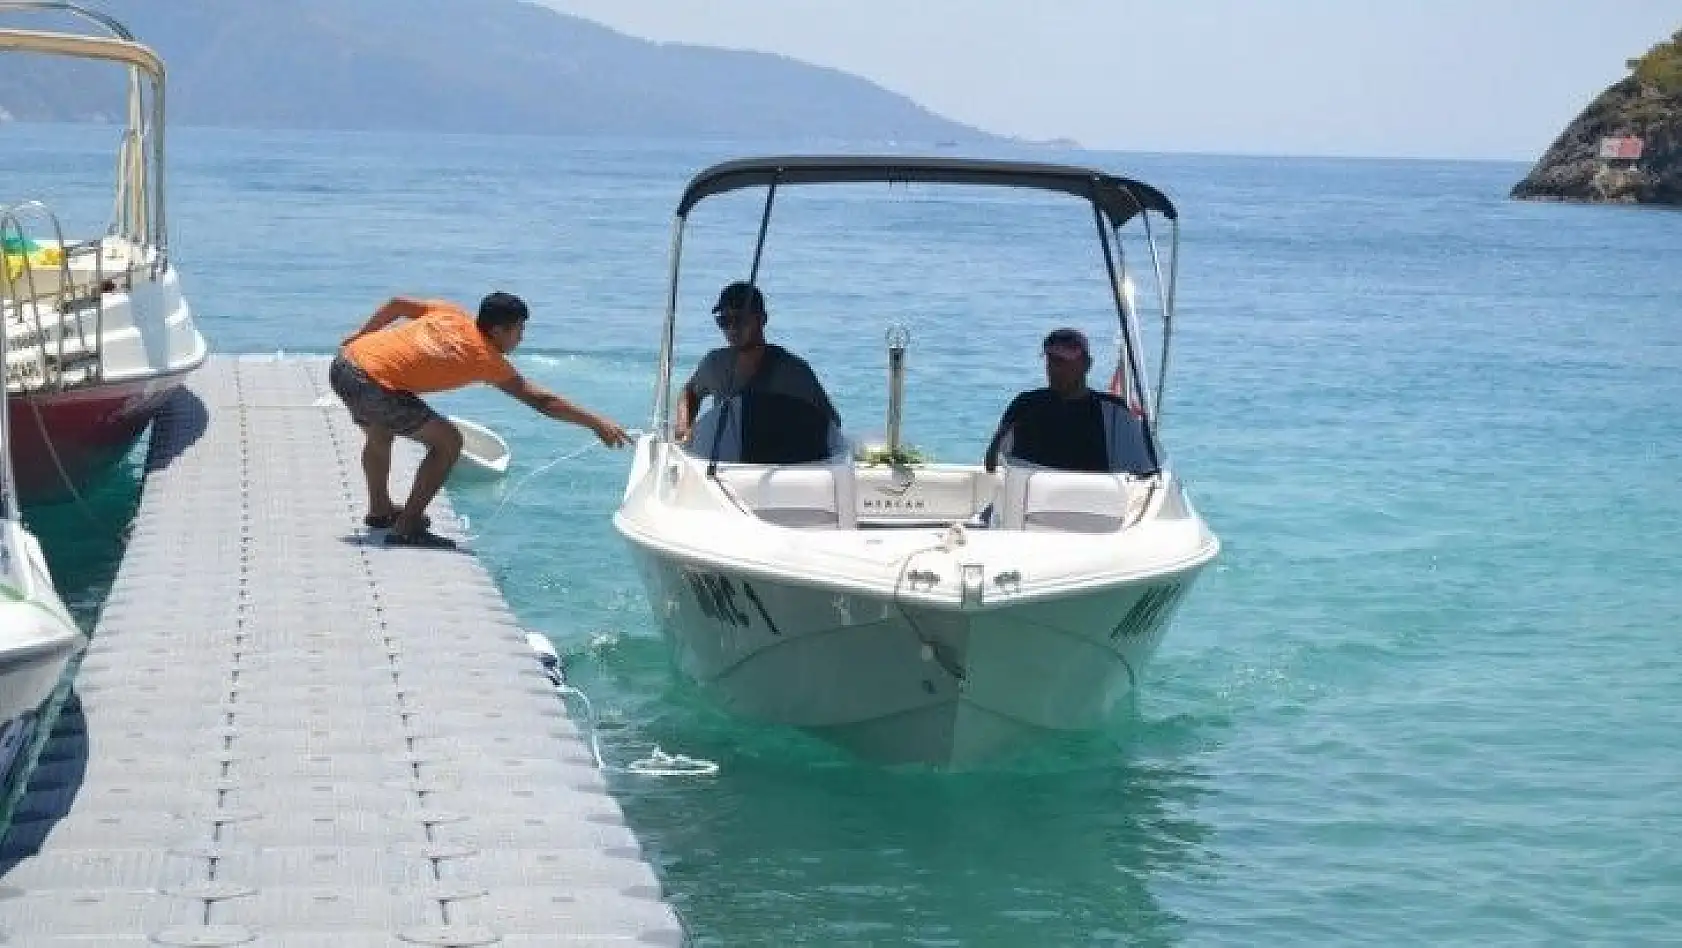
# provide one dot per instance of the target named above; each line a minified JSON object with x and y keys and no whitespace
{"x":688,"y":403}
{"x":609,"y":432}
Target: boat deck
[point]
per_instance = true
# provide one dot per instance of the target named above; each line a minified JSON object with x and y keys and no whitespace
{"x":283,"y":734}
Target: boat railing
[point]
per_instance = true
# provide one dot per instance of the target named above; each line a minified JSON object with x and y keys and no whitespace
{"x":23,"y":299}
{"x":8,"y":490}
{"x":139,"y":214}
{"x":109,"y":23}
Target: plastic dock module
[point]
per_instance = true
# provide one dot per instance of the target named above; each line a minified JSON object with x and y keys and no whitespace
{"x":285,"y":734}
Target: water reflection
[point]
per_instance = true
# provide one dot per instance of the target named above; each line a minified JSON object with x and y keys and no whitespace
{"x":799,"y":845}
{"x":83,"y":541}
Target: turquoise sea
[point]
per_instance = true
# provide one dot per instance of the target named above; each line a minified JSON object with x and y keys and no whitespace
{"x":1431,"y":694}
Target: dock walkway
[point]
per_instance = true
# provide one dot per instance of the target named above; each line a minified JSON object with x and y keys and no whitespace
{"x":285,"y":735}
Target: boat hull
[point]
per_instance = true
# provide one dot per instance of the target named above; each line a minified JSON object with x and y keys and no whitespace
{"x":38,"y":637}
{"x":484,"y":454}
{"x":67,"y":436}
{"x":85,"y":430}
{"x":28,"y":679}
{"x":898,"y":683}
{"x":36,"y":645}
{"x":15,"y":737}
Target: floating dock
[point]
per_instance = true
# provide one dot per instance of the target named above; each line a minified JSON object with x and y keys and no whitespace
{"x":285,"y":734}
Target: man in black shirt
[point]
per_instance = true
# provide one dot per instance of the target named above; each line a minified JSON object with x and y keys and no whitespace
{"x":787,"y":415}
{"x":1066,"y":425}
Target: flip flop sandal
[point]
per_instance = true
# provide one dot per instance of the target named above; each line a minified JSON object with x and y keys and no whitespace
{"x":425,"y":539}
{"x":387,"y":521}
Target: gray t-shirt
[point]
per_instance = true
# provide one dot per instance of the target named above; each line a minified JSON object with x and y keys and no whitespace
{"x":780,"y":372}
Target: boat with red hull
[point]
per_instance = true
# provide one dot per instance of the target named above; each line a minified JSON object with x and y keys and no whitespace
{"x":76,"y":437}
{"x":100,"y":332}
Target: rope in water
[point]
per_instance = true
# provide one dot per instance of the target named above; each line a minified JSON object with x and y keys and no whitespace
{"x":632,"y":433}
{"x":106,"y":530}
{"x":658,"y":763}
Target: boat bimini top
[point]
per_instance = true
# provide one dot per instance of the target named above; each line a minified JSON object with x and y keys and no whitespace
{"x":1115,"y":201}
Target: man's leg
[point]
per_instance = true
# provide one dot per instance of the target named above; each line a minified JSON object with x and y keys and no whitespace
{"x":443,"y":446}
{"x":380,"y":414}
{"x":376,"y":468}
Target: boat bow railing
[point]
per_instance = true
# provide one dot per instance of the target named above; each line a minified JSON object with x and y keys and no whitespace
{"x":139,"y":214}
{"x":65,"y":354}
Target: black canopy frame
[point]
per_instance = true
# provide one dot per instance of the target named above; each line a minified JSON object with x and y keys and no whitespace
{"x":1115,"y":200}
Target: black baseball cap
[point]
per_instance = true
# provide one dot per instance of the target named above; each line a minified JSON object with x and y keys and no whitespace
{"x":740,"y":296}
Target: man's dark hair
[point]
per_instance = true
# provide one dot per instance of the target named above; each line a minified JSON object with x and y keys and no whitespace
{"x":741,"y":296}
{"x":502,"y":309}
{"x":1067,"y":339}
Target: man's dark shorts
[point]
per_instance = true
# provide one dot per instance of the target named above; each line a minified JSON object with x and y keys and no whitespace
{"x":371,"y":403}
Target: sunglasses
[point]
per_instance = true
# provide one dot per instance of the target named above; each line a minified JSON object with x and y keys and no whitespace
{"x":731,"y":317}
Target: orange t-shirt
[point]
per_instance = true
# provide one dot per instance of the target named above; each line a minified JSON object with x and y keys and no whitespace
{"x":441,"y":350}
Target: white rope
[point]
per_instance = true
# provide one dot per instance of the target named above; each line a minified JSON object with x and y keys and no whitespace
{"x":926,"y":642}
{"x":107,"y":530}
{"x":632,"y":433}
{"x":658,"y":763}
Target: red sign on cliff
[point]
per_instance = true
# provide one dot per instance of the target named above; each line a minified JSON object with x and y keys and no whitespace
{"x":1625,"y":148}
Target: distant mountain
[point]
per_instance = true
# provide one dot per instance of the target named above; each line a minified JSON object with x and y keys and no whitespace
{"x":456,"y":66}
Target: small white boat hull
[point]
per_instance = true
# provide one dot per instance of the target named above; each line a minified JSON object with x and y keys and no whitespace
{"x":484,"y":454}
{"x":38,"y":637}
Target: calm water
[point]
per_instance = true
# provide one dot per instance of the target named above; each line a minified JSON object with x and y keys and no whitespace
{"x":1430,"y":695}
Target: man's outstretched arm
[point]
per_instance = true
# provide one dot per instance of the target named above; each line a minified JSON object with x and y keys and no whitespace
{"x":556,"y":407}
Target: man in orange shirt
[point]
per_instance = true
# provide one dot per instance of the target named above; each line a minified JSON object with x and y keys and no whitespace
{"x":380,"y":373}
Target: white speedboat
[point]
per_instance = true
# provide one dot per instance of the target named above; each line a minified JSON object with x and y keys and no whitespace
{"x":928,"y":613}
{"x":101,"y":332}
{"x":38,"y":637}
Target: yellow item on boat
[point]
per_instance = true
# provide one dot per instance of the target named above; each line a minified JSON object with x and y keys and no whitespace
{"x":44,"y":257}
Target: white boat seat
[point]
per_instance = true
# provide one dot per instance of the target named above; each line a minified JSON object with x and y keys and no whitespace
{"x":793,"y":495}
{"x":1042,"y":499}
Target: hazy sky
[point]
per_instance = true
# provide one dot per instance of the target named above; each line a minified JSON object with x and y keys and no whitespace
{"x":1446,"y":78}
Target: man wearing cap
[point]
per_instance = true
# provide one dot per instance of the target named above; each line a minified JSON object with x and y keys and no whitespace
{"x":411,"y":347}
{"x":749,"y":363}
{"x":1066,"y":425}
